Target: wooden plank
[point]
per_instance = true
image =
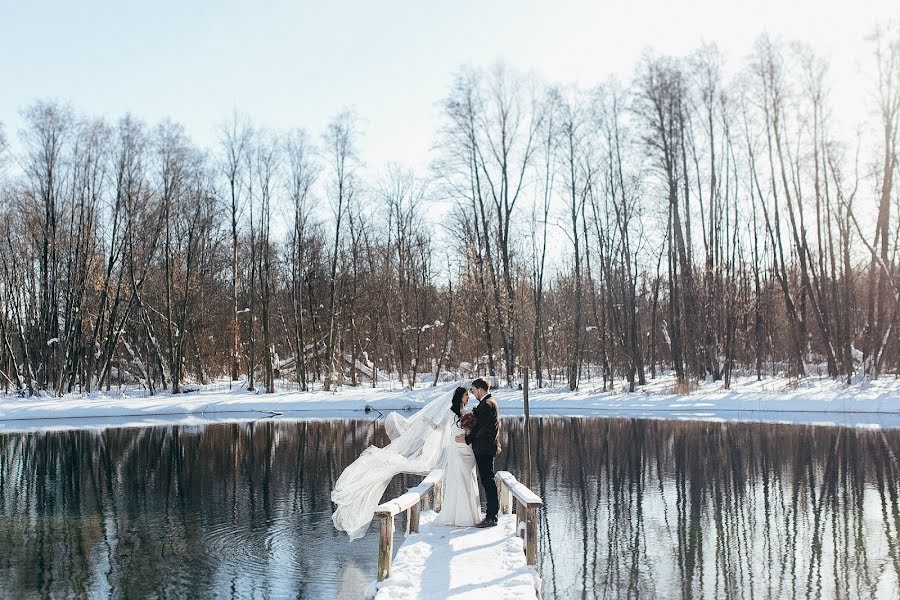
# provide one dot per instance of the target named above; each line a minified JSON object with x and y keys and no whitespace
{"x":411,"y":498}
{"x":385,"y":547}
{"x":519,"y":491}
{"x":398,"y":505}
{"x":433,"y":477}
{"x":429,"y":481}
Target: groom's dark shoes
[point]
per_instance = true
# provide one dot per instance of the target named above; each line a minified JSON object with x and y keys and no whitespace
{"x":488,"y":522}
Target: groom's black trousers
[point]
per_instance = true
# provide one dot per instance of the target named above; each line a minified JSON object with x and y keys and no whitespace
{"x":485,"y":464}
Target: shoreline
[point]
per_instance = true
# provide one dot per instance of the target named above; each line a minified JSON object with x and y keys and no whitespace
{"x":808,"y":418}
{"x":774,"y":400}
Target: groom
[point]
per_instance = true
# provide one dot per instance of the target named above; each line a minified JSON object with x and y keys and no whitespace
{"x":485,"y":442}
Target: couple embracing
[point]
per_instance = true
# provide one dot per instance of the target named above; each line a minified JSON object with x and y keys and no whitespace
{"x":443,"y":434}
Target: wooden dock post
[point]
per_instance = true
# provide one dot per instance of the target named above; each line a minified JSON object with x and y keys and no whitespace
{"x":414,"y":518}
{"x":385,"y":547}
{"x":438,"y":495}
{"x":411,"y":503}
{"x":512,"y":494}
{"x":527,"y":505}
{"x":503,"y":494}
{"x":520,"y":518}
{"x":531,"y":536}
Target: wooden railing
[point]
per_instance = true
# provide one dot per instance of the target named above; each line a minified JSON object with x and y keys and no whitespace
{"x":412,"y":502}
{"x":416,"y":499}
{"x":527,"y":504}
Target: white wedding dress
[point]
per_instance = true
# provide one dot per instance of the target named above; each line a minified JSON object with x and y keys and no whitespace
{"x":460,"y":505}
{"x":419,"y":444}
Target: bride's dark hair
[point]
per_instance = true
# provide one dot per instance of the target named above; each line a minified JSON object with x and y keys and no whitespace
{"x":456,"y":403}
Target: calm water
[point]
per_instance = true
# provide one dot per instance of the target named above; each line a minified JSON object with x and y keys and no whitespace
{"x":634,"y":508}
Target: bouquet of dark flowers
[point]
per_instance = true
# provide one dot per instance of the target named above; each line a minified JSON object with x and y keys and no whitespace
{"x":468,"y":421}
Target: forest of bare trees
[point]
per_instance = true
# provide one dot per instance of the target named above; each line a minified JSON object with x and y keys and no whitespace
{"x":703,"y":219}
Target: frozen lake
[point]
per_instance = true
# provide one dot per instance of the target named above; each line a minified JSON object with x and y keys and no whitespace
{"x":647,"y":508}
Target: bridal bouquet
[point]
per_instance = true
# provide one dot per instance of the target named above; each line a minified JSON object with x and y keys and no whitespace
{"x":468,"y":421}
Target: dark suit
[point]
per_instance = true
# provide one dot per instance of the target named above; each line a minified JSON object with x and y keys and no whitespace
{"x":485,"y":442}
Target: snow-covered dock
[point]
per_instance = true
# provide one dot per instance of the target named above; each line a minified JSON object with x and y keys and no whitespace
{"x":459,"y":562}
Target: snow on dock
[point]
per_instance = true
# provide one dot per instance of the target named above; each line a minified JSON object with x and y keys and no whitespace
{"x":458,"y":562}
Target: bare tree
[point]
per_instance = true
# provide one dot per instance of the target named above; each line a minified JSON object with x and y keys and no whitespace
{"x":708,"y":226}
{"x":339,"y":146}
{"x":662,"y":104}
{"x":236,"y":139}
{"x":881,"y":318}
{"x":303,"y":173}
{"x":547,"y":176}
{"x":577,"y":176}
{"x":266,"y":171}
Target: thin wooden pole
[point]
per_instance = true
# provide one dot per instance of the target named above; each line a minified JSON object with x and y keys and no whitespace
{"x":527,"y":430}
{"x":525,"y":391}
{"x":385,"y":547}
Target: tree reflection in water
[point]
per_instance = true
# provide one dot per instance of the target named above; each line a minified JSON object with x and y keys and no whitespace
{"x":235,"y":509}
{"x":634,"y":508}
{"x":711,"y":510}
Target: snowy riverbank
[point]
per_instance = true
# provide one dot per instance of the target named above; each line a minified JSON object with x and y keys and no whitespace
{"x":812,"y":400}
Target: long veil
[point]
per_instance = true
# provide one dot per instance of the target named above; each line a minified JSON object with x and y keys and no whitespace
{"x":418,"y":446}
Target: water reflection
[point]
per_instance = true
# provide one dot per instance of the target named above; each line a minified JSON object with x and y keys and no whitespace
{"x":634,"y":508}
{"x":239,"y":510}
{"x":708,"y":510}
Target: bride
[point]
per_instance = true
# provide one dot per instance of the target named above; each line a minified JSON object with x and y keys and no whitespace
{"x":419,"y":444}
{"x":460,"y":505}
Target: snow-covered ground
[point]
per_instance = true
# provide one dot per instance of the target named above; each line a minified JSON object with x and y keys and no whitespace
{"x":459,"y":563}
{"x":811,"y":400}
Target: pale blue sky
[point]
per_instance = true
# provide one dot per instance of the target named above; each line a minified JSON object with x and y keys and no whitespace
{"x":296,"y":64}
